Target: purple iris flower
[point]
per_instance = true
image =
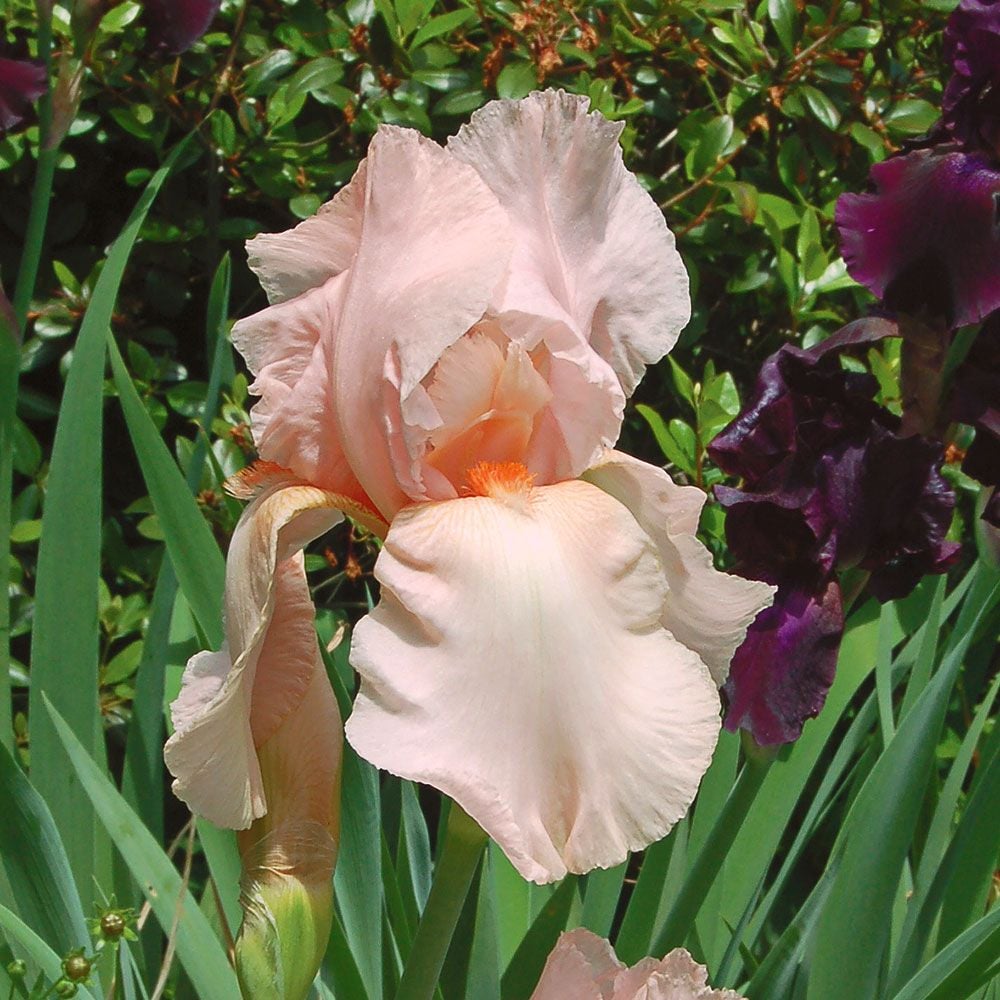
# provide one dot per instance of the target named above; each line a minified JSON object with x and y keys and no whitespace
{"x":928,"y":239}
{"x":829,"y":483}
{"x":22,"y":82}
{"x":971,"y":101}
{"x":175,"y":25}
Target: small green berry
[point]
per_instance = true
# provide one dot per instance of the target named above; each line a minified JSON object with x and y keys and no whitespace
{"x":65,"y":988}
{"x":112,"y":925}
{"x":17,"y":969}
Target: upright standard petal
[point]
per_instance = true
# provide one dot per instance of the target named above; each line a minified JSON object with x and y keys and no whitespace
{"x":516,"y":661}
{"x":592,"y":249}
{"x":232,"y":703}
{"x":175,"y":25}
{"x":434,"y":246}
{"x":708,"y":611}
{"x":928,"y":238}
{"x":289,"y":348}
{"x":583,"y":966}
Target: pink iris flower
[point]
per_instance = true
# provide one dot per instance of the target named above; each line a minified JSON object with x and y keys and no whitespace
{"x":583,"y":966}
{"x":447,"y":355}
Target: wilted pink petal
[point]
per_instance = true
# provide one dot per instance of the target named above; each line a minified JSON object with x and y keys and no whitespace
{"x":583,"y":966}
{"x":516,"y":662}
{"x":705,"y":609}
{"x":587,"y":236}
{"x":22,"y":82}
{"x":233,"y":703}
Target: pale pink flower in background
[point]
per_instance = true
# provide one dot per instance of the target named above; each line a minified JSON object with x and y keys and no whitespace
{"x":583,"y":966}
{"x":447,"y":354}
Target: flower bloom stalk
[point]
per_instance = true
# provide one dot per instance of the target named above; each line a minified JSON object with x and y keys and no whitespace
{"x":583,"y":966}
{"x":446,"y":357}
{"x":926,"y":242}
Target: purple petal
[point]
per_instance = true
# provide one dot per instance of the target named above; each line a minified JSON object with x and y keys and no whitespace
{"x":903,"y":512}
{"x":782,"y":537}
{"x":22,"y":81}
{"x":782,"y":672}
{"x":971,"y":100}
{"x":928,"y":239}
{"x":175,"y":25}
{"x":804,"y":403}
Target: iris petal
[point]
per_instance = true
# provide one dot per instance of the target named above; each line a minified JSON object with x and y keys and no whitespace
{"x":928,"y":238}
{"x":516,"y":661}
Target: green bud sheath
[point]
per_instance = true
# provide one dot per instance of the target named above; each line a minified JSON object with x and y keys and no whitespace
{"x":287,"y":899}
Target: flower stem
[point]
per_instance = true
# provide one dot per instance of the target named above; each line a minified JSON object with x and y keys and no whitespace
{"x":10,"y":353}
{"x":706,"y":867}
{"x":41,"y":192}
{"x":463,"y":847}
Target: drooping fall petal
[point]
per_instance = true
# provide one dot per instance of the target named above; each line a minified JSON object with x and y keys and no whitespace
{"x":782,"y":672}
{"x":587,"y":235}
{"x":927,"y":239}
{"x":583,"y":966}
{"x":706,"y":610}
{"x":516,"y":661}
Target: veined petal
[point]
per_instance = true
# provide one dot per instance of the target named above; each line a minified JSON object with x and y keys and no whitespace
{"x":434,"y":245}
{"x":297,"y":260}
{"x":516,"y":661}
{"x":583,"y":966}
{"x":227,"y":712}
{"x":705,"y":609}
{"x":592,"y":248}
{"x":289,"y":348}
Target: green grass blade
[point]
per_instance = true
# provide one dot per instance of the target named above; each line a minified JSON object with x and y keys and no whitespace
{"x":923,"y":907}
{"x":64,"y":649}
{"x":975,"y":847}
{"x":521,"y":976}
{"x":852,"y":935}
{"x":198,"y":949}
{"x":41,"y":883}
{"x":10,"y":360}
{"x":636,"y":933}
{"x":143,"y":774}
{"x":225,"y":866}
{"x":30,"y":947}
{"x":704,"y":869}
{"x":602,"y":891}
{"x":923,"y":663}
{"x":762,"y":828}
{"x":358,"y":875}
{"x":883,"y":675}
{"x":964,"y":966}
{"x":339,"y":968}
{"x":513,"y":903}
{"x":195,"y":556}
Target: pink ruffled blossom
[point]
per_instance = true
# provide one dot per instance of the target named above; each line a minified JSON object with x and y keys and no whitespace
{"x":447,"y":354}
